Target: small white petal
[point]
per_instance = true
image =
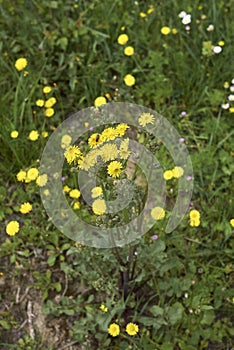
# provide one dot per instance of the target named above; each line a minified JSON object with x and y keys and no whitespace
{"x":186,"y":19}
{"x":232,"y":88}
{"x":231,"y":97}
{"x":225,"y":105}
{"x":182,"y":14}
{"x":217,"y":49}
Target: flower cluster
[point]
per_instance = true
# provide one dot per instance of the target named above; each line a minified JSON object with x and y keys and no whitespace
{"x":129,"y":79}
{"x":47,"y":102}
{"x":194,"y":218}
{"x":228,"y":104}
{"x":176,"y":172}
{"x":30,"y":175}
{"x":185,"y":19}
{"x":131,"y":329}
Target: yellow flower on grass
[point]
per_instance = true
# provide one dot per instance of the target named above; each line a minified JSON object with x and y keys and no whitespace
{"x":72,"y":153}
{"x":50,"y":102}
{"x":32,"y":174}
{"x":46,"y":192}
{"x":194,"y":214}
{"x":49,"y":112}
{"x":40,"y":103}
{"x":21,"y":176}
{"x":66,"y":189}
{"x":132,"y":328}
{"x":47,"y":89}
{"x":99,"y":101}
{"x":232,"y":222}
{"x":41,"y":181}
{"x":99,"y":206}
{"x":150,"y":10}
{"x":114,"y":329}
{"x":194,"y":222}
{"x":108,"y":134}
{"x":174,"y":31}
{"x":33,"y":135}
{"x":74,"y":194}
{"x":66,"y":141}
{"x":168,"y":175}
{"x":114,"y":169}
{"x":221,"y":43}
{"x":124,"y":152}
{"x":25,"y":208}
{"x":76,"y":205}
{"x":20,"y":64}
{"x":122,"y":39}
{"x":103,"y":308}
{"x":129,"y":51}
{"x":231,"y":109}
{"x":158,"y":213}
{"x":143,"y":14}
{"x":44,"y":134}
{"x":129,"y":80}
{"x":12,"y":228}
{"x":95,"y":140}
{"x":177,"y":172}
{"x":96,"y":192}
{"x":165,"y":30}
{"x":120,"y":129}
{"x":146,"y":118}
{"x":108,"y":152}
{"x":89,"y":160}
{"x":14,"y":134}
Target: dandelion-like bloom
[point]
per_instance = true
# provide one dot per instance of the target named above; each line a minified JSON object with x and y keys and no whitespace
{"x":96,"y":192}
{"x":20,"y":64}
{"x":12,"y":228}
{"x":99,"y":206}
{"x":158,"y":213}
{"x":108,"y":134}
{"x":231,"y":109}
{"x":150,"y":10}
{"x":76,"y":205}
{"x":95,"y":140}
{"x":72,"y":153}
{"x":232,"y":222}
{"x":89,"y":160}
{"x":114,"y":169}
{"x":32,"y":174}
{"x":122,"y":39}
{"x":33,"y":135}
{"x":146,"y":118}
{"x":74,"y":194}
{"x":49,"y":112}
{"x":194,"y":214}
{"x":99,"y":101}
{"x":41,"y":181}
{"x":25,"y":208}
{"x":50,"y":102}
{"x":108,"y":152}
{"x":44,"y":134}
{"x":40,"y":103}
{"x":143,"y":14}
{"x":174,"y":31}
{"x":165,"y":30}
{"x":66,"y":141}
{"x":21,"y":176}
{"x":66,"y":189}
{"x":168,"y":175}
{"x":132,"y":328}
{"x":129,"y":51}
{"x":103,"y":308}
{"x":177,"y":172}
{"x":129,"y":80}
{"x":124,"y":152}
{"x":14,"y":134}
{"x":120,"y":129}
{"x":47,"y":89}
{"x":194,"y":222}
{"x":114,"y":329}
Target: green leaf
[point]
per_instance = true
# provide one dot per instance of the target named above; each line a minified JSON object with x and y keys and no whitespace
{"x":175,"y":313}
{"x":206,"y":307}
{"x":51,"y":260}
{"x":156,"y":310}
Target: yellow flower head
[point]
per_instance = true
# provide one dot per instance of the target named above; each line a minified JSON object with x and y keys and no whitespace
{"x":177,"y":172}
{"x":143,"y":14}
{"x":47,"y":89}
{"x":122,"y":39}
{"x":74,"y":193}
{"x":20,"y":64}
{"x":114,"y":169}
{"x":232,"y":222}
{"x":231,"y":109}
{"x":194,"y":214}
{"x":174,"y":31}
{"x":96,"y":192}
{"x":158,"y":213}
{"x":195,"y":222}
{"x":32,"y":174}
{"x":129,"y":80}
{"x":108,"y":134}
{"x":76,"y":205}
{"x":114,"y":330}
{"x":99,"y":101}
{"x":124,"y":152}
{"x":129,"y":51}
{"x":44,"y":134}
{"x":66,"y":189}
{"x":72,"y":153}
{"x":120,"y":129}
{"x":12,"y":228}
{"x":146,"y":118}
{"x":168,"y":175}
{"x":132,"y":328}
{"x":150,"y":10}
{"x":41,"y":181}
{"x":108,"y":152}
{"x":95,"y":140}
{"x":89,"y":160}
{"x":25,"y":208}
{"x":21,"y":176}
{"x":33,"y":135}
{"x":14,"y":134}
{"x":49,"y":112}
{"x":99,"y":206}
{"x":103,"y":308}
{"x":50,"y":102}
{"x":226,"y":85}
{"x":66,"y":141}
{"x":165,"y":30}
{"x":40,"y":103}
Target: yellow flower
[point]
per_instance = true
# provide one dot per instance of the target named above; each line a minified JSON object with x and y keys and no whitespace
{"x":47,"y":89}
{"x":74,"y":194}
{"x":99,"y":206}
{"x":96,"y":192}
{"x":20,"y":64}
{"x":44,"y":134}
{"x":168,"y":175}
{"x":40,"y":103}
{"x":66,"y":189}
{"x":95,"y":140}
{"x":33,"y":135}
{"x":12,"y":228}
{"x":50,"y":102}
{"x":72,"y":153}
{"x":231,"y":109}
{"x":14,"y":134}
{"x":143,"y":14}
{"x":108,"y":152}
{"x":25,"y":208}
{"x":21,"y":176}
{"x":114,"y":329}
{"x":66,"y":141}
{"x":129,"y":80}
{"x":49,"y":112}
{"x":103,"y":308}
{"x":122,"y":39}
{"x":174,"y":31}
{"x":232,"y":222}
{"x":89,"y":160}
{"x":129,"y":51}
{"x":132,"y":328}
{"x":194,"y":222}
{"x":194,"y":214}
{"x":165,"y":30}
{"x":32,"y":174}
{"x":146,"y":118}
{"x":121,"y":129}
{"x":41,"y":181}
{"x":177,"y":172}
{"x":46,"y":192}
{"x":108,"y":134}
{"x":221,"y":43}
{"x":123,"y":150}
{"x":150,"y":10}
{"x":76,"y":205}
{"x":226,"y":85}
{"x":158,"y":213}
{"x":99,"y":101}
{"x":114,"y":169}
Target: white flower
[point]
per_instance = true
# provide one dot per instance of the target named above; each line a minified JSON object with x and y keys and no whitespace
{"x":232,"y":81}
{"x":182,"y":14}
{"x":232,"y":88}
{"x":210,"y":28}
{"x":187,"y":27}
{"x":186,"y":19}
{"x":231,"y":97}
{"x":225,"y":105}
{"x":217,"y":49}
